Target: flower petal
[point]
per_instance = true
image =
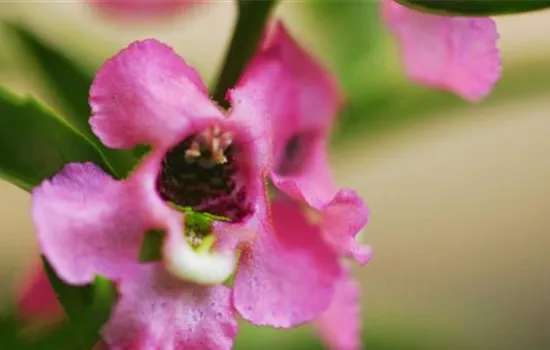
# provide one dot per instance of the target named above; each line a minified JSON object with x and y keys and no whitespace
{"x":301,"y":167}
{"x":305,"y":174}
{"x":287,"y":277}
{"x":157,"y":311}
{"x":147,"y":94}
{"x":340,"y":325}
{"x":36,"y":299}
{"x":458,"y":54}
{"x":317,"y":95}
{"x":87,"y":223}
{"x":207,"y":268}
{"x":342,"y":219}
{"x":261,"y":96}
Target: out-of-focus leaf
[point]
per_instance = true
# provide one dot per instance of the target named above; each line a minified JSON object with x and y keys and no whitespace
{"x":35,"y":144}
{"x":9,"y":331}
{"x":350,"y":31}
{"x":406,"y":103}
{"x":71,"y":84}
{"x":476,"y":7}
{"x":87,"y":307}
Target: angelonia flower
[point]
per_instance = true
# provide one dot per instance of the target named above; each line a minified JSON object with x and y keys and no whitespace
{"x":307,"y":201}
{"x":458,"y":54}
{"x":203,"y":188}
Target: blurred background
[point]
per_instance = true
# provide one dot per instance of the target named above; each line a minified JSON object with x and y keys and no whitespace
{"x":459,"y":193}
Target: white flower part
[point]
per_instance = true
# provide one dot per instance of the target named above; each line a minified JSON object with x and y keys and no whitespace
{"x":201,"y":267}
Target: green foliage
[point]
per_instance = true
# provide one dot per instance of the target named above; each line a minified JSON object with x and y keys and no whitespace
{"x":35,"y":144}
{"x":70,"y":84}
{"x":350,"y":31}
{"x":476,"y":7}
{"x":404,"y":104}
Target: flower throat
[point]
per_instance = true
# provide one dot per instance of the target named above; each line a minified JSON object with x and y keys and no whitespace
{"x":202,"y":173}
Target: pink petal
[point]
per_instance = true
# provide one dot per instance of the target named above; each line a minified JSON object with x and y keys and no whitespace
{"x":147,"y":94}
{"x":340,"y":325}
{"x":305,"y":174}
{"x":156,"y":311}
{"x":36,"y":297}
{"x":260,"y":97}
{"x":301,"y":165}
{"x":317,"y":95}
{"x":458,"y":54}
{"x":88,"y":224}
{"x":342,"y":219}
{"x":141,"y":8}
{"x":287,"y":277}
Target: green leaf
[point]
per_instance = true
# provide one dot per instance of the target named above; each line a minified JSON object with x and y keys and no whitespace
{"x":476,"y":7}
{"x":87,"y":307}
{"x":71,"y":84}
{"x":350,"y":32}
{"x":404,"y":103}
{"x":35,"y":144}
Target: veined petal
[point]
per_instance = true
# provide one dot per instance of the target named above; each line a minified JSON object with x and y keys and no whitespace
{"x":342,"y":220}
{"x":287,"y":276}
{"x":157,"y":311}
{"x":458,"y":54}
{"x":147,"y":94}
{"x":87,"y":223}
{"x":340,"y":325}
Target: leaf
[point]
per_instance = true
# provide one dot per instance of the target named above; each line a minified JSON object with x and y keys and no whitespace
{"x":404,"y":103}
{"x":35,"y":144}
{"x":350,"y":32}
{"x":71,"y":84}
{"x":87,"y":307}
{"x":475,"y":7}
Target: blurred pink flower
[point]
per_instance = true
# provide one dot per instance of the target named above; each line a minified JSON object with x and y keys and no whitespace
{"x":340,"y":325}
{"x":91,"y":224}
{"x":141,"y":8}
{"x":36,"y":300}
{"x":308,"y":204}
{"x":458,"y":54}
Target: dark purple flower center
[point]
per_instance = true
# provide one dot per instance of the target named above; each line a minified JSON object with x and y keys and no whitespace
{"x":202,"y":172}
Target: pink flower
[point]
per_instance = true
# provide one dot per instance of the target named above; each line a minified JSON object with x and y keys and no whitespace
{"x":458,"y":54}
{"x":36,"y":300}
{"x":301,"y":168}
{"x":91,"y":224}
{"x":141,"y":8}
{"x":308,"y":205}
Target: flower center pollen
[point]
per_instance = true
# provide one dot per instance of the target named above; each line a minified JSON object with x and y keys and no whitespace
{"x":202,"y":172}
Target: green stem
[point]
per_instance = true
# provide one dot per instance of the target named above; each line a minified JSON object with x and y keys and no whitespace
{"x":251,"y":20}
